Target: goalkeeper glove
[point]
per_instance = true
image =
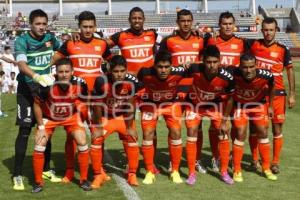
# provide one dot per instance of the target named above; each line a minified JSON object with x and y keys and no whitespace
{"x":44,"y":80}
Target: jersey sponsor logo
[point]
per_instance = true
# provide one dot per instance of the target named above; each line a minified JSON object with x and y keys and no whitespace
{"x":88,"y":62}
{"x":186,"y":59}
{"x":247,"y":94}
{"x":204,"y":95}
{"x":42,"y":60}
{"x":227,"y":60}
{"x":139,"y":53}
{"x":264,"y":65}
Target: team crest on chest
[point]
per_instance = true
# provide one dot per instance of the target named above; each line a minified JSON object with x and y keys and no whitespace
{"x":195,"y":45}
{"x":274,"y":54}
{"x":234,"y":46}
{"x":172,"y":84}
{"x":97,"y":48}
{"x":147,"y":38}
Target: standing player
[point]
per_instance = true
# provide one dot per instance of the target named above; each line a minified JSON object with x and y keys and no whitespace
{"x":159,"y":96}
{"x":114,"y":111}
{"x":137,"y":45}
{"x":231,"y":48}
{"x":249,"y":103}
{"x":210,"y":83}
{"x":56,"y":106}
{"x":276,"y":57}
{"x":186,"y":47}
{"x":86,"y":55}
{"x":33,"y":54}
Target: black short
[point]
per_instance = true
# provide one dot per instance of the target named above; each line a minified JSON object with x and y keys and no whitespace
{"x":25,"y":94}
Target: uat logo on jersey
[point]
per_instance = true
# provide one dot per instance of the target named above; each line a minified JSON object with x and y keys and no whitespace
{"x":97,"y":48}
{"x":195,"y":45}
{"x":234,"y":46}
{"x":147,"y":38}
{"x":48,"y":44}
{"x":274,"y":54}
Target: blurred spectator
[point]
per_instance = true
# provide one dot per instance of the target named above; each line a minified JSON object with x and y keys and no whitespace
{"x":12,"y":83}
{"x":8,"y":62}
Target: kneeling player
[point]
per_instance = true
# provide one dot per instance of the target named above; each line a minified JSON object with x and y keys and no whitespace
{"x":56,"y":106}
{"x":114,"y":110}
{"x":249,"y":103}
{"x":159,"y":97}
{"x":210,"y":82}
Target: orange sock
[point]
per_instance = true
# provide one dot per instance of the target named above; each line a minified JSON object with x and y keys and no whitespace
{"x":264,"y":151}
{"x":214,"y":141}
{"x":148,"y":154}
{"x":96,"y":155}
{"x":277,"y":146}
{"x":83,"y":162}
{"x":199,"y":144}
{"x":70,"y":152}
{"x":176,"y":153}
{"x":38,"y":166}
{"x":238,"y":151}
{"x":133,"y":157}
{"x":191,"y":150}
{"x":224,"y":151}
{"x":253,"y":143}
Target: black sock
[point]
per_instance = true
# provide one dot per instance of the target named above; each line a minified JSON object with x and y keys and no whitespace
{"x":47,"y":155}
{"x":20,"y":149}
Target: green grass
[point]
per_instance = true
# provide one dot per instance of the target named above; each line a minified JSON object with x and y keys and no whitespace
{"x":208,"y":186}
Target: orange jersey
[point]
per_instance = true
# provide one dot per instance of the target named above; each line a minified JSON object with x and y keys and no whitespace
{"x":274,"y":58}
{"x":86,"y":58}
{"x":115,"y":95}
{"x":251,"y":91}
{"x":138,"y":50}
{"x":158,"y":91}
{"x":183,"y":50}
{"x":60,"y":102}
{"x":204,"y":90}
{"x":231,"y":49}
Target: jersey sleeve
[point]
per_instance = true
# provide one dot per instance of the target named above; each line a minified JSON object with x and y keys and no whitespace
{"x":115,"y":38}
{"x":287,"y":60}
{"x":63,"y":50}
{"x":20,"y":49}
{"x":56,"y":43}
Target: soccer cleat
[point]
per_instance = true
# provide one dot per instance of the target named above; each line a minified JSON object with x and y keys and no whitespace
{"x":37,"y":189}
{"x":98,"y":181}
{"x":175,"y":177}
{"x":18,"y":183}
{"x":105,"y":176}
{"x":50,"y":175}
{"x":215,"y":164}
{"x":191,"y":179}
{"x":275,"y":168}
{"x":226,"y":178}
{"x":269,"y":175}
{"x":85,"y":185}
{"x":149,"y":178}
{"x":237,"y":177}
{"x":200,"y":168}
{"x":132,"y":180}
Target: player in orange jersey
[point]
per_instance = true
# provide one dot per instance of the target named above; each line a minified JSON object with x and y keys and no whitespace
{"x":249,"y":104}
{"x":276,"y":57}
{"x":210,"y":84}
{"x":231,"y":48}
{"x":57,"y":106}
{"x":185,"y":47}
{"x":86,"y":55}
{"x":137,"y":45}
{"x":114,"y":110}
{"x":162,"y":87}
